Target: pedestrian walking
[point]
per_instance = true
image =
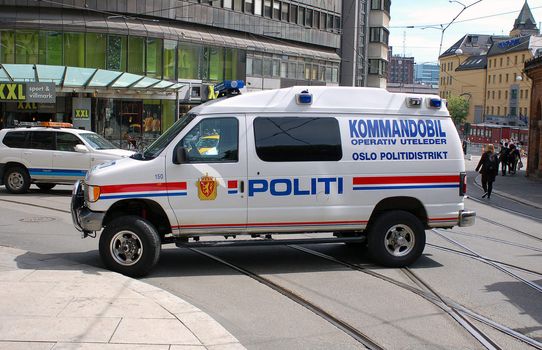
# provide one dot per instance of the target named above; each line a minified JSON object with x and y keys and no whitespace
{"x":503,"y":158}
{"x":488,"y":166}
{"x":513,"y":158}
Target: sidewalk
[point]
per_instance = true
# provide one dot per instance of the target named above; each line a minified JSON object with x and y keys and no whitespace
{"x":516,"y":187}
{"x":51,"y":303}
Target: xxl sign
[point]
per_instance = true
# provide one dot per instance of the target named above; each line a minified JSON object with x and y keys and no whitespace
{"x":28,"y":92}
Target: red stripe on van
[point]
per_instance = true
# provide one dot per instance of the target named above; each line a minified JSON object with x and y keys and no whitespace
{"x":148,"y":187}
{"x":232,"y":184}
{"x":388,"y":180}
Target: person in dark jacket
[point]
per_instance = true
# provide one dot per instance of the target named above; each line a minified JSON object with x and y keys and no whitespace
{"x":503,"y":158}
{"x":488,"y":166}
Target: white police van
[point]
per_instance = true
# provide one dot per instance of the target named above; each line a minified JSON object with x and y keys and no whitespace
{"x":368,"y":165}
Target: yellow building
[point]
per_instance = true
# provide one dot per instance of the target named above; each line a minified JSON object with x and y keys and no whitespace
{"x":486,"y":70}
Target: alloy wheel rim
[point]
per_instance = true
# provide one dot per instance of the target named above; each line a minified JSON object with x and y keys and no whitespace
{"x":399,"y":240}
{"x":126,"y":248}
{"x":16,"y":181}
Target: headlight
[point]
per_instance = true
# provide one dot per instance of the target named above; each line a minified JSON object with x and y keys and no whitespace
{"x":93,"y":193}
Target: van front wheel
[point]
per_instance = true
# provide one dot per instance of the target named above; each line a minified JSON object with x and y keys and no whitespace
{"x":130,"y":245}
{"x":396,"y":239}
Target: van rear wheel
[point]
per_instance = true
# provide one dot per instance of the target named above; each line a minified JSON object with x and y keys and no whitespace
{"x":130,"y":245}
{"x":396,"y":239}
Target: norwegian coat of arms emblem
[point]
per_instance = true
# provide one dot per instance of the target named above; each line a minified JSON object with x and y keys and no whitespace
{"x":207,"y":187}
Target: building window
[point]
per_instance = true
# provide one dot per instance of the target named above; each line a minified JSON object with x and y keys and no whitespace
{"x":249,"y":6}
{"x":267,"y":12}
{"x":499,"y":94}
{"x":379,"y":34}
{"x":26,"y":47}
{"x":500,"y":78}
{"x":316,"y":19}
{"x":520,"y":94}
{"x":493,"y":94}
{"x":74,"y":49}
{"x":258,"y":7}
{"x":377,"y":66}
{"x":489,"y":63}
{"x":117,"y":52}
{"x":488,"y":93}
{"x":506,"y":94}
{"x":301,"y":16}
{"x":322,"y":21}
{"x":170,"y":50}
{"x":500,"y":62}
{"x":505,"y":110}
{"x":515,"y":59}
{"x":285,"y":11}
{"x":293,"y":13}
{"x":498,"y":110}
{"x":154,"y":57}
{"x":227,"y":4}
{"x":276,"y":9}
{"x":523,"y":58}
{"x":188,"y":62}
{"x":308,"y":18}
{"x":238,"y":5}
{"x":283,"y":69}
{"x":50,"y":51}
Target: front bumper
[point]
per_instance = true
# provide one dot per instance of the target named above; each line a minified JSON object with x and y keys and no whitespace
{"x":85,"y":220}
{"x":467,"y":218}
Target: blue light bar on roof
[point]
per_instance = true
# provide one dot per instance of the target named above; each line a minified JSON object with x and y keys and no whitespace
{"x":435,"y":103}
{"x":304,"y":98}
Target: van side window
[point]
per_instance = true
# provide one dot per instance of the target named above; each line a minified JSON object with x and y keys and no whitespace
{"x":293,"y":139}
{"x":66,"y":142}
{"x":41,"y":140}
{"x":213,"y":140}
{"x":15,"y":139}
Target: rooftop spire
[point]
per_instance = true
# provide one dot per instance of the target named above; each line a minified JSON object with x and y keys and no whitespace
{"x":525,"y":24}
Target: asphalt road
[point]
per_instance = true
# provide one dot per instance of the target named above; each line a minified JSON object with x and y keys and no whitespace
{"x":395,"y":317}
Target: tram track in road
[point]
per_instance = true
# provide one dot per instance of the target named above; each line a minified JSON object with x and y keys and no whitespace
{"x":496,"y":240}
{"x":490,"y":262}
{"x":472,"y":256}
{"x":340,"y":324}
{"x":437,"y":300}
{"x":34,"y":205}
{"x":493,"y":222}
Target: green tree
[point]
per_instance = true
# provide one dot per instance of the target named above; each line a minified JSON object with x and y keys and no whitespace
{"x":458,"y":108}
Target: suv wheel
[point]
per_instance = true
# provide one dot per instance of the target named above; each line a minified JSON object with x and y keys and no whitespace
{"x":45,"y":187}
{"x":396,"y":239}
{"x":17,"y":180}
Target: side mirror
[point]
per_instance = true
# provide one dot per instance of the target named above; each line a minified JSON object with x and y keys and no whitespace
{"x":179,"y":155}
{"x":81,"y":148}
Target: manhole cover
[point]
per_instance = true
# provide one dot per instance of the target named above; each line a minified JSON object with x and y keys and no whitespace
{"x":38,"y":219}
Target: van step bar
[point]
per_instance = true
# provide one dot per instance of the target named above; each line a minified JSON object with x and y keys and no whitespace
{"x":259,"y":242}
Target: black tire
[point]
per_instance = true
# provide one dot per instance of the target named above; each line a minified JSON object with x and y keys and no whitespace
{"x":139,"y":252}
{"x":17,"y":179}
{"x":45,"y":187}
{"x":396,"y":239}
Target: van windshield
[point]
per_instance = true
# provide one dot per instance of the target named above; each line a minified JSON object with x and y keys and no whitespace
{"x":161,"y":143}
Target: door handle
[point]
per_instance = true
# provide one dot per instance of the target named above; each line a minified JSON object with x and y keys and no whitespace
{"x":242,"y":186}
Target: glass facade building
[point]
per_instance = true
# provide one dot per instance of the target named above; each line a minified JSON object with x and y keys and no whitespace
{"x":268,"y":44}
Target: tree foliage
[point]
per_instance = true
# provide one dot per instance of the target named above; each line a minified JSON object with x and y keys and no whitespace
{"x":458,"y":108}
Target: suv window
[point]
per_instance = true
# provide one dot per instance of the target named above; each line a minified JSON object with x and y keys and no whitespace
{"x":15,"y":139}
{"x":67,"y":142}
{"x":41,"y":140}
{"x":213,"y":140}
{"x":293,"y":139}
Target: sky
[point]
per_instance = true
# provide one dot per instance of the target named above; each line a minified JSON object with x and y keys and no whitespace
{"x":485,"y":17}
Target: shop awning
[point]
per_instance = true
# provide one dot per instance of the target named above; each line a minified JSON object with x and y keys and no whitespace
{"x":84,"y":78}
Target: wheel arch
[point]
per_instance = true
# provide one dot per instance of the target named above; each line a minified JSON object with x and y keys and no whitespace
{"x":144,"y":208}
{"x":409,"y":204}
